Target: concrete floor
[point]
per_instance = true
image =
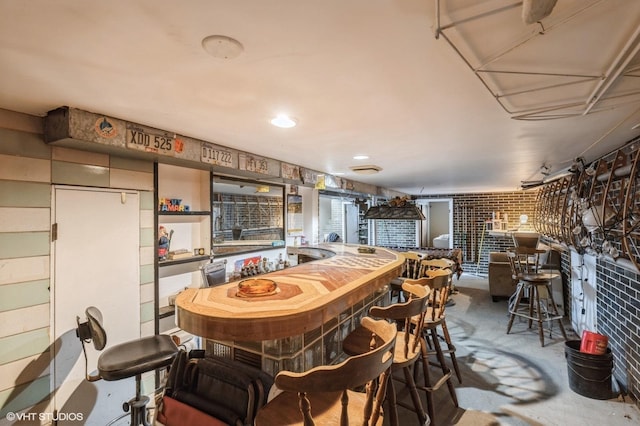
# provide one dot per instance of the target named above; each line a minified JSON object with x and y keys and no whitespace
{"x":510,"y":376}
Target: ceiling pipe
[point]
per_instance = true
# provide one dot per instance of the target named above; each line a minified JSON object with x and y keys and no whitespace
{"x":614,"y":70}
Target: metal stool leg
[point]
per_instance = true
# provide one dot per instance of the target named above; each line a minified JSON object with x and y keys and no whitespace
{"x":136,"y":407}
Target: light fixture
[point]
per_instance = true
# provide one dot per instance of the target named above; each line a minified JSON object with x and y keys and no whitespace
{"x":262,"y":188}
{"x":360,"y":157}
{"x":222,"y":47}
{"x":283,"y":121}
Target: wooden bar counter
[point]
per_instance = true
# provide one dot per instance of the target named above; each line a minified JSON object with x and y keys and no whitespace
{"x":316,"y":304}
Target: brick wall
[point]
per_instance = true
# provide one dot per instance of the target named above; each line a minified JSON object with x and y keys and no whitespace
{"x":470,"y":211}
{"x":618,"y":317}
{"x":395,"y":233}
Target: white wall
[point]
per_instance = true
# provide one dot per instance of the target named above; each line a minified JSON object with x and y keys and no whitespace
{"x":583,"y":292}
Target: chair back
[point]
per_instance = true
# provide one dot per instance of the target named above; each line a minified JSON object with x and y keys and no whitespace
{"x":214,"y":273}
{"x":353,"y":372}
{"x":439,"y":283}
{"x":411,"y":264}
{"x":410,"y":312}
{"x":91,"y":331}
{"x":524,"y":261}
{"x":436,"y":263}
{"x":98,"y":333}
{"x":526,"y":239}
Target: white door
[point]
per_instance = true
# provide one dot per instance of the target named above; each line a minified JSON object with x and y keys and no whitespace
{"x":95,"y":262}
{"x":351,"y":224}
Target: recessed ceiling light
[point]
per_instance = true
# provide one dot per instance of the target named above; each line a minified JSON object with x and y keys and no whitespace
{"x":284,"y":121}
{"x":222,"y":47}
{"x":360,"y":157}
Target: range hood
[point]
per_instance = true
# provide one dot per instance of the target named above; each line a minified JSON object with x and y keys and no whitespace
{"x":406,"y":212}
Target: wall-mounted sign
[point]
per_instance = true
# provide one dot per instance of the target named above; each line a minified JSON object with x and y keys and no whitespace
{"x":212,"y":154}
{"x":152,"y":140}
{"x":289,"y":171}
{"x":105,"y":129}
{"x":308,"y":176}
{"x":346,"y":184}
{"x":253,"y":163}
{"x":331,"y":181}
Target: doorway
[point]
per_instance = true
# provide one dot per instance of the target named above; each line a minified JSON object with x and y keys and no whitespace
{"x":437,"y":229}
{"x":95,"y":262}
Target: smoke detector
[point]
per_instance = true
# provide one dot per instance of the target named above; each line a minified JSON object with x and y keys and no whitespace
{"x":368,"y":169}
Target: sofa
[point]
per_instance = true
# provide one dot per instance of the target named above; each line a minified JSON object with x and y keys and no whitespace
{"x":501,"y":282}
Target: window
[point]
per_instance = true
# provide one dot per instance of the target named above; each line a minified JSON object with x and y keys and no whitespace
{"x":246,"y":215}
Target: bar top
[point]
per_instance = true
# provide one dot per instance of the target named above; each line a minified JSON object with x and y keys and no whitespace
{"x":308,"y":295}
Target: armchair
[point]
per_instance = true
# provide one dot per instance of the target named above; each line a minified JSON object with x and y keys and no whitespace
{"x":501,"y":282}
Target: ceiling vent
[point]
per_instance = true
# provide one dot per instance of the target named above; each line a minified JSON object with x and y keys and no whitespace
{"x":366,"y":169}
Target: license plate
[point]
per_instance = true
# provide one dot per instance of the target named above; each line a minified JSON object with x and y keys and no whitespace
{"x":216,"y":156}
{"x":148,"y":142}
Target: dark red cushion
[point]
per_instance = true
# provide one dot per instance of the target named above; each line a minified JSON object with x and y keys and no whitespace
{"x":175,"y":413}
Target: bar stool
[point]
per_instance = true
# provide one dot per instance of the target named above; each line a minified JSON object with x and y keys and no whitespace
{"x":409,"y":345}
{"x":410,"y":269}
{"x":438,"y":283}
{"x":537,"y":286}
{"x":439,"y":263}
{"x":441,"y":293}
{"x":323,"y":395}
{"x":128,"y":359}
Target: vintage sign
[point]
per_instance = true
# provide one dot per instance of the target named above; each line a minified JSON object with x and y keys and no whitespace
{"x":290,"y":171}
{"x":212,"y":154}
{"x":150,"y":140}
{"x":253,"y":163}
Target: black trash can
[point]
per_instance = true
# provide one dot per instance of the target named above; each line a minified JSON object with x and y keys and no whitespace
{"x":589,"y":375}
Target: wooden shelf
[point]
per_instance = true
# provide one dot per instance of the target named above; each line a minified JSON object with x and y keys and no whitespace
{"x":189,"y":213}
{"x":167,"y":268}
{"x":182,"y":217}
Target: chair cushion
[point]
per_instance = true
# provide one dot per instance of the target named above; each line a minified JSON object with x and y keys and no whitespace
{"x":175,"y":413}
{"x":136,"y":357}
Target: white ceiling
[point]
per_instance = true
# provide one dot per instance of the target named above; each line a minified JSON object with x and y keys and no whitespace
{"x":360,"y":76}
